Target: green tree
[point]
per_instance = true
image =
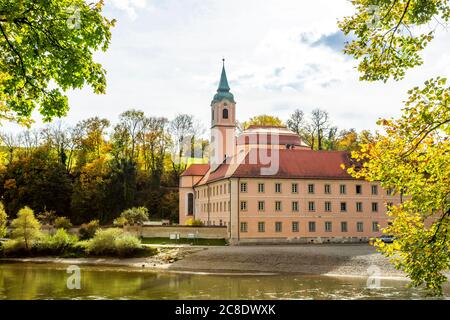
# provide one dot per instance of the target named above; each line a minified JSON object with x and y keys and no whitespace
{"x":47,"y":48}
{"x":263,"y":120}
{"x":384,"y":40}
{"x":412,"y":156}
{"x":3,"y":220}
{"x":25,"y":228}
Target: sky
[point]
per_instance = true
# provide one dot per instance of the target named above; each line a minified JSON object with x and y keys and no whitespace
{"x":165,"y":58}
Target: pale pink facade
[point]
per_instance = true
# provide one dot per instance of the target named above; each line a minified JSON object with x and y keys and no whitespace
{"x":309,"y":198}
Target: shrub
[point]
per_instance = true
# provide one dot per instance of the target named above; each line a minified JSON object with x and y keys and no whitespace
{"x":136,"y":215}
{"x":103,"y":241}
{"x":56,"y":244}
{"x":127,"y":245}
{"x":62,"y":223}
{"x":12,"y":247}
{"x":113,"y":241}
{"x":88,"y":230}
{"x":119,"y":222}
{"x":194,"y":223}
{"x":3,"y":220}
{"x":26,"y":228}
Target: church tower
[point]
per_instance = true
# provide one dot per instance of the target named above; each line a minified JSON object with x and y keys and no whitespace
{"x":223,"y":123}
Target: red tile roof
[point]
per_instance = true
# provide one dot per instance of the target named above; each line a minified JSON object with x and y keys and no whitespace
{"x":296,"y":163}
{"x":299,"y":164}
{"x":196,"y":170}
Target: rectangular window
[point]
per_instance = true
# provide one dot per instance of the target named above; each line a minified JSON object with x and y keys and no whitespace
{"x":295,"y":226}
{"x":244,"y":227}
{"x":327,"y":206}
{"x":312,"y":226}
{"x":374,"y":189}
{"x":375,"y":226}
{"x":310,"y":188}
{"x":294,"y":188}
{"x":278,"y":226}
{"x":260,"y":187}
{"x":358,"y":189}
{"x":343,"y":206}
{"x":221,"y":207}
{"x":389,"y":192}
{"x":295,"y":206}
{"x":311,"y":206}
{"x":220,"y":192}
{"x":277,"y":187}
{"x":344,"y":226}
{"x":359,"y":207}
{"x":277,"y":205}
{"x":327,"y":189}
{"x":328,"y":226}
{"x":374,"y":206}
{"x":342,"y":189}
{"x":243,"y":205}
{"x":359,"y":227}
{"x":261,"y":205}
{"x":261,"y":226}
{"x":243,"y":187}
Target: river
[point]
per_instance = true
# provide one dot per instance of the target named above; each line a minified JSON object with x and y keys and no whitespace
{"x":49,"y":281}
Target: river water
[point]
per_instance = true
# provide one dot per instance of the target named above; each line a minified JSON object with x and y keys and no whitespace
{"x":49,"y":281}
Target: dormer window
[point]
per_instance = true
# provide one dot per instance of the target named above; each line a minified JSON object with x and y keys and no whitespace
{"x":225,"y":113}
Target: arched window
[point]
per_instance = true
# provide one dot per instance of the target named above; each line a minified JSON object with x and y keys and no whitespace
{"x":190,"y":206}
{"x":225,"y":113}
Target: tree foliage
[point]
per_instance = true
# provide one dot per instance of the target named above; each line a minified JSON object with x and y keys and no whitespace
{"x":25,"y":228}
{"x":47,"y":48}
{"x":3,"y":220}
{"x":389,"y":34}
{"x":263,"y":120}
{"x":412,"y":156}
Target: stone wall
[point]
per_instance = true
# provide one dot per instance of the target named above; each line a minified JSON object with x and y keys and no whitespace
{"x":183,"y":231}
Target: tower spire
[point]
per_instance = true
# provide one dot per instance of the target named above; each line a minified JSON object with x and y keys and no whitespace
{"x":223,"y":84}
{"x":223,"y":91}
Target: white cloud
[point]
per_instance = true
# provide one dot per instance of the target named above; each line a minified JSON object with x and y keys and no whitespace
{"x":129,"y":6}
{"x":168,"y":61}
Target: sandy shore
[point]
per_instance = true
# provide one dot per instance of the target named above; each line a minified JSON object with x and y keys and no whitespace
{"x":335,"y":260}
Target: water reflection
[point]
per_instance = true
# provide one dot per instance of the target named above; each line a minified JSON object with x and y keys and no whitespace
{"x":47,"y":281}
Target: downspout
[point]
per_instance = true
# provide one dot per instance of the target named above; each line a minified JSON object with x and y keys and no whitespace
{"x":238,"y":210}
{"x":229,"y":204}
{"x":208,"y":206}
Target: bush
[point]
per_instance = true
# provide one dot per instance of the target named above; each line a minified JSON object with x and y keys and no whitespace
{"x":13,"y":247}
{"x":119,"y":222}
{"x":127,"y":245}
{"x":113,"y":241}
{"x":56,"y":244}
{"x":62,"y":223}
{"x":88,"y":230}
{"x":136,"y":215}
{"x":194,"y":223}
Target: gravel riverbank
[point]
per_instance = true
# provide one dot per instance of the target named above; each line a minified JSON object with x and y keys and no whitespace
{"x":342,"y":260}
{"x":336,"y":260}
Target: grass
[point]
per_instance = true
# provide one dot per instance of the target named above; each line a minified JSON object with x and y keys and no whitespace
{"x":195,"y":242}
